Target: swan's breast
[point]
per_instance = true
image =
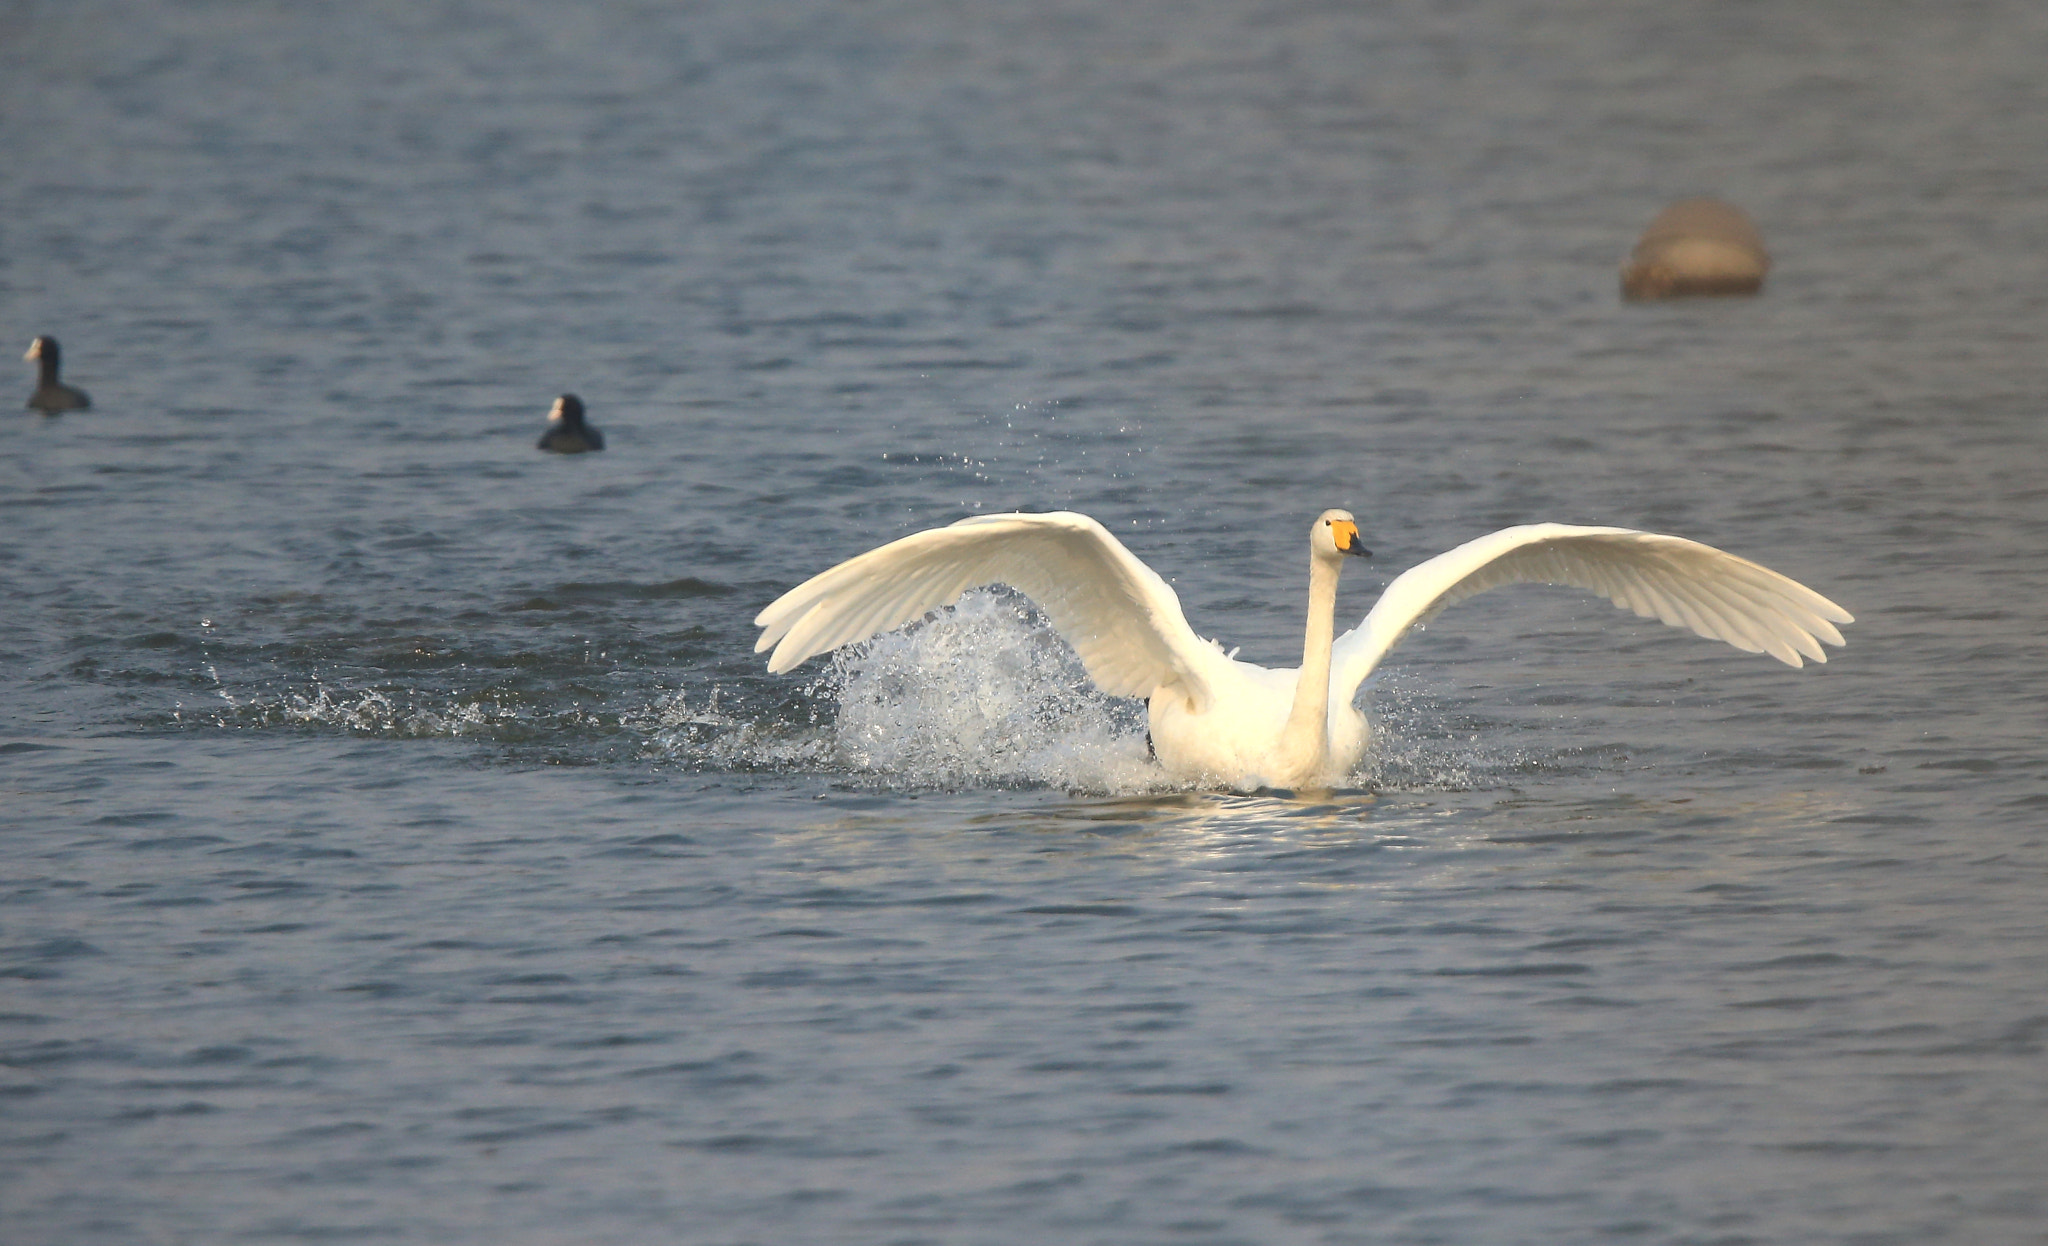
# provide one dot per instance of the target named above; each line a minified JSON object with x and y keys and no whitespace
{"x":1233,"y":740}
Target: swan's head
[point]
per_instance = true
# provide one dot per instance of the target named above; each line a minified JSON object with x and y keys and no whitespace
{"x":1335,"y":534}
{"x":568,"y":409}
{"x":43,"y":348}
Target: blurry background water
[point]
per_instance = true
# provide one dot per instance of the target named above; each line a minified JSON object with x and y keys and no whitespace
{"x":401,"y":841}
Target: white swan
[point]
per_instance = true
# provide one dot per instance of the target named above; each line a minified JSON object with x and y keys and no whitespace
{"x":1218,"y":720}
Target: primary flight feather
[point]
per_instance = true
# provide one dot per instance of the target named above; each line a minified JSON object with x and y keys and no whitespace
{"x":1216,"y":720}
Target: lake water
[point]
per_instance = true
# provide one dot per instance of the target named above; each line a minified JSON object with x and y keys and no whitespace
{"x":403,"y":843}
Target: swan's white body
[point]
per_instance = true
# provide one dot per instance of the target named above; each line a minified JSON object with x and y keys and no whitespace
{"x":1217,"y":720}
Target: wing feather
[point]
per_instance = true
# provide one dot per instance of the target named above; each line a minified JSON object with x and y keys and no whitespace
{"x":1731,"y":613}
{"x":1736,"y":610}
{"x":1680,"y":582}
{"x":1123,"y":620}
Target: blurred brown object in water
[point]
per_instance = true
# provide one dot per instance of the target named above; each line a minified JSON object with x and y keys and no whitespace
{"x":1696,"y":247}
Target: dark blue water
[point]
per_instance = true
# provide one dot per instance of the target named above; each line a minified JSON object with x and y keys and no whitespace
{"x":399,"y":840}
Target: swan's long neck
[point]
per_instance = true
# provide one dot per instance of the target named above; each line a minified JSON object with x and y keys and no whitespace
{"x":1306,"y":738}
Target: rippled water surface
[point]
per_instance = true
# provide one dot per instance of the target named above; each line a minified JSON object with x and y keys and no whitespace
{"x":402,"y":842}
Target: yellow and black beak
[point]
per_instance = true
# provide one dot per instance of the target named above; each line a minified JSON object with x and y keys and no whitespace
{"x":1346,"y":534}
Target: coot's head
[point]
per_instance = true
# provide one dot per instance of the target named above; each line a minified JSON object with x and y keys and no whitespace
{"x":568,"y":410}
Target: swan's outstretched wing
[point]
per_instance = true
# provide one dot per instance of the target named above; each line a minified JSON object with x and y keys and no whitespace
{"x":1117,"y":613}
{"x":1681,"y":582}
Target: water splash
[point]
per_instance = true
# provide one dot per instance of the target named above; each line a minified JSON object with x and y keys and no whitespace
{"x":1413,"y":749}
{"x":373,"y":712}
{"x":709,"y":736}
{"x":986,"y":695}
{"x":982,"y":695}
{"x":391,"y":712}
